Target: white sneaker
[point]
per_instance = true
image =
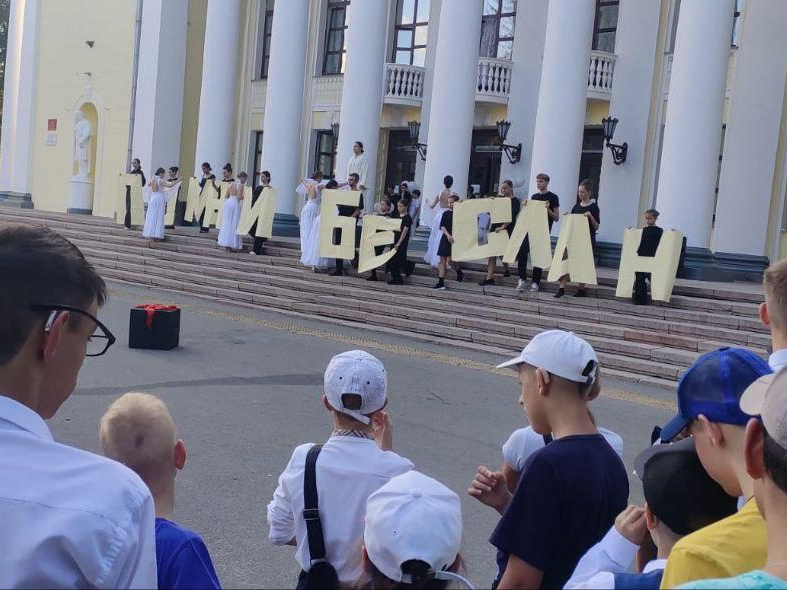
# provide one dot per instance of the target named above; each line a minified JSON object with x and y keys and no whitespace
{"x":534,"y":288}
{"x":520,"y":286}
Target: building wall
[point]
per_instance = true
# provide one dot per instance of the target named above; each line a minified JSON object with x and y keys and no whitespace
{"x":67,"y":70}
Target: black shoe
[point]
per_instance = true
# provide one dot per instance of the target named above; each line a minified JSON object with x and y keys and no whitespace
{"x":460,"y":276}
{"x":486,"y":282}
{"x":203,"y":230}
{"x":409,"y":268}
{"x":372,"y":278}
{"x":336,"y":273}
{"x":395,"y":282}
{"x":506,"y":273}
{"x":581,"y":293}
{"x":560,"y":293}
{"x":440,"y":286}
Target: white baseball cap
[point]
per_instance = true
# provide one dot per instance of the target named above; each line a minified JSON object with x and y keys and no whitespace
{"x":413,"y":517}
{"x":765,"y":398}
{"x":560,"y":353}
{"x":360,"y":373}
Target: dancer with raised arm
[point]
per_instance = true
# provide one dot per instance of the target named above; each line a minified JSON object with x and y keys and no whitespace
{"x":310,"y":226}
{"x":230,"y":216}
{"x":157,"y":205}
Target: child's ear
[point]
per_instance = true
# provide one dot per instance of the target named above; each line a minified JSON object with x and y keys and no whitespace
{"x":326,"y":404}
{"x":764,"y":315}
{"x":650,"y":519}
{"x":543,"y":379}
{"x":179,"y":455}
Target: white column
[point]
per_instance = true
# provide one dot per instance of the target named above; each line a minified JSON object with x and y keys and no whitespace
{"x":158,"y":115}
{"x":363,"y":86}
{"x":529,"y":38}
{"x":562,"y":97}
{"x":632,"y":91}
{"x":281,"y":140}
{"x":429,"y":62}
{"x":215,"y":131}
{"x":16,"y":149}
{"x":749,"y":161}
{"x":452,"y":105}
{"x":692,"y":133}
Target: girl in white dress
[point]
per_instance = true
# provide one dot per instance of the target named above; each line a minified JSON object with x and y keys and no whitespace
{"x":230,"y":216}
{"x":310,"y":227}
{"x":157,"y":205}
{"x":431,"y":257}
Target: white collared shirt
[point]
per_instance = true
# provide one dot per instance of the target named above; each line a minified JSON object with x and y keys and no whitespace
{"x":777,"y":360}
{"x":349,"y":470}
{"x":359,"y":165}
{"x":69,"y":518}
{"x":614,"y":554}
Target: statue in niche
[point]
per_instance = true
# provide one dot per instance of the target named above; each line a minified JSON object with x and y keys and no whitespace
{"x":82,"y":135}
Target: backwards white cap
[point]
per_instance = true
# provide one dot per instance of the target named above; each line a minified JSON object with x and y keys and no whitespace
{"x":360,"y":373}
{"x":560,"y":353}
{"x":413,"y":517}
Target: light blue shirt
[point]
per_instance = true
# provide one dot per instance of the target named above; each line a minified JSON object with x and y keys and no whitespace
{"x":756,"y":579}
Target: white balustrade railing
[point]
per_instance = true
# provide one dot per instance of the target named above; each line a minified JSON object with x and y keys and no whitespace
{"x":404,"y":84}
{"x":494,"y":78}
{"x":600,"y":73}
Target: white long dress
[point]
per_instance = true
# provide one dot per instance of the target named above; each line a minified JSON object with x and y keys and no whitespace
{"x":435,"y":235}
{"x":154,"y":217}
{"x":310,"y":235}
{"x":230,"y":217}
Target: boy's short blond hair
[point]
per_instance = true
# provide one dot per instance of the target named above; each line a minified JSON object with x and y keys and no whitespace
{"x":775,"y":285}
{"x":137,"y":430}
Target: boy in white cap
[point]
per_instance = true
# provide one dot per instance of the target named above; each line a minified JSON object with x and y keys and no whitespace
{"x":354,"y":462}
{"x":572,"y":489}
{"x":765,"y":451}
{"x":413,"y":533}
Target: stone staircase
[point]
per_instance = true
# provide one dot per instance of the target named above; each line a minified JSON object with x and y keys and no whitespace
{"x":649,"y":344}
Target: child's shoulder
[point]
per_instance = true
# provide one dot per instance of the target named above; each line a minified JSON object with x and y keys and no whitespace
{"x":173,"y":534}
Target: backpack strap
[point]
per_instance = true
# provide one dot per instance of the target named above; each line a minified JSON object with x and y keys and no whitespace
{"x":311,"y":512}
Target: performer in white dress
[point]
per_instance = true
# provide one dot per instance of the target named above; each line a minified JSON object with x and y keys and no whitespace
{"x":310,"y":226}
{"x":230,"y":216}
{"x":157,"y":206}
{"x":431,"y":257}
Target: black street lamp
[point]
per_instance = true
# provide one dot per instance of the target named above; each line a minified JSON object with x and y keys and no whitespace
{"x":619,"y":152}
{"x":414,"y":128}
{"x":513,"y":152}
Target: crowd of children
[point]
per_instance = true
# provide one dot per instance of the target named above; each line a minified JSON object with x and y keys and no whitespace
{"x":358,"y":513}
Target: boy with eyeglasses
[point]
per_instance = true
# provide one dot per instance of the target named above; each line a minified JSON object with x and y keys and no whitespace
{"x":69,"y":518}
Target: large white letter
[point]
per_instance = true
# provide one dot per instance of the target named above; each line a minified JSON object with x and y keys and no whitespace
{"x":377,"y":231}
{"x":532,"y":224}
{"x":465,"y":228}
{"x":663,"y":267}
{"x":331,"y":220}
{"x":574,"y":252}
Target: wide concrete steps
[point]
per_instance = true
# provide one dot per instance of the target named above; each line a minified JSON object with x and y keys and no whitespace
{"x":651,"y":344}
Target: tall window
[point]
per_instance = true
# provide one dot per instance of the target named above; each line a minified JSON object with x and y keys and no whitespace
{"x":267,"y":27}
{"x":333,"y":62}
{"x":606,"y":25}
{"x":325,"y":154}
{"x":412,"y":27}
{"x":497,"y":28}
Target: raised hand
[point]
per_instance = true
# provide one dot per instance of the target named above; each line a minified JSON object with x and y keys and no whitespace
{"x":490,"y":488}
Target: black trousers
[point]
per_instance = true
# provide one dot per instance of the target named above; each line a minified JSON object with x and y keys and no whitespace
{"x":337,"y":238}
{"x":127,"y":218}
{"x":521,"y":259}
{"x":640,"y":296}
{"x":399,"y":264}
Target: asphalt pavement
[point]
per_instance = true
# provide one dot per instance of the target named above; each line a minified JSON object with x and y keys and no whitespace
{"x":244,"y":389}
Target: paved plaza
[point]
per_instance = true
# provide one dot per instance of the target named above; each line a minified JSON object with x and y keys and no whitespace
{"x":244,"y":390}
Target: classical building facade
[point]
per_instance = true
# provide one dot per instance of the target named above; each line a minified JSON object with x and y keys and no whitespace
{"x":698,"y":88}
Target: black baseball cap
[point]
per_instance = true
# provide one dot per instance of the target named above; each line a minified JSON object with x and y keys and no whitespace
{"x":678,"y":490}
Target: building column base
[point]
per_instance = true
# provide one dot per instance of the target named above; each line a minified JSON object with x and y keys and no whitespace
{"x":286,"y":226}
{"x":78,"y":211}
{"x":17,"y":200}
{"x":699,"y":264}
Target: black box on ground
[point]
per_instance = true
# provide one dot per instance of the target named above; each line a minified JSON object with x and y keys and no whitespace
{"x":154,"y":327}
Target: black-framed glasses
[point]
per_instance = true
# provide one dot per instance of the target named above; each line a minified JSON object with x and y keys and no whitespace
{"x":98,"y":343}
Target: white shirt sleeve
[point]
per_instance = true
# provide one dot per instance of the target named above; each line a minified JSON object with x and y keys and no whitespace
{"x":363,"y":172}
{"x":135,"y":564}
{"x":280,"y":516}
{"x":597,"y":568}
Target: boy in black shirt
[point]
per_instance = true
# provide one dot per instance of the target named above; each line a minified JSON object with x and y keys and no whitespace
{"x":402,"y":239}
{"x":553,"y":213}
{"x":648,"y":244}
{"x":571,"y":491}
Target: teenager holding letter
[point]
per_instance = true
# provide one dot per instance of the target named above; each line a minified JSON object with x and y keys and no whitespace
{"x":586,"y":206}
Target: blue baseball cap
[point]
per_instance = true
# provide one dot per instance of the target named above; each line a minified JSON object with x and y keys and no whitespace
{"x":713,"y":387}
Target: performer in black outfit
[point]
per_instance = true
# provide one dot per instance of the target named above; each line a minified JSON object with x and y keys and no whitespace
{"x":445,"y":249}
{"x":399,"y":262}
{"x":207,"y":176}
{"x":507,"y":191}
{"x":136,"y":168}
{"x":385,"y":211}
{"x":265,"y":182}
{"x":648,"y":244}
{"x":553,"y":213}
{"x":348,"y":211}
{"x":585,"y":206}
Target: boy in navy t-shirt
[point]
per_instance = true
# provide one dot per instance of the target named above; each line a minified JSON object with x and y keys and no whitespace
{"x":571,"y":490}
{"x":137,"y":430}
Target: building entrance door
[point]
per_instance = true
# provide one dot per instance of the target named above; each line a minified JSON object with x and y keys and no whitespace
{"x":484,"y":163}
{"x":401,"y":158}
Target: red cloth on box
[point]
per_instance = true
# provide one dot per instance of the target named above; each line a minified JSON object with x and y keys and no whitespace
{"x":151,"y":310}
